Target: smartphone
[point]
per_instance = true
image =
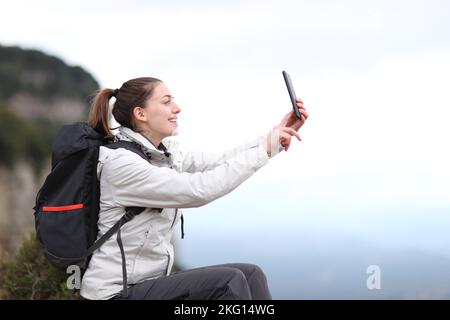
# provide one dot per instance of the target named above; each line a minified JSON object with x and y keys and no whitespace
{"x":290,"y":88}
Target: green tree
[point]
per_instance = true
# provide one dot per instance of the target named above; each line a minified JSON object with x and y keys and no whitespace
{"x":25,"y":139}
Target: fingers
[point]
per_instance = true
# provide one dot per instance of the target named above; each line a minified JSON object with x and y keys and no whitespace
{"x":304,"y":115}
{"x":291,"y":114}
{"x":287,"y":118}
{"x":288,"y":115}
{"x":288,"y":132}
{"x":302,"y":110}
{"x":285,"y":136}
{"x":291,"y":120}
{"x":285,"y":140}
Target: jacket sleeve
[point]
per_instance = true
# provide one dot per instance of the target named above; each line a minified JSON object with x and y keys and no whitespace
{"x":198,"y":161}
{"x":132,"y":181}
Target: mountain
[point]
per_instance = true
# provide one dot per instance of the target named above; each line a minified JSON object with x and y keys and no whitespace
{"x":38,"y":86}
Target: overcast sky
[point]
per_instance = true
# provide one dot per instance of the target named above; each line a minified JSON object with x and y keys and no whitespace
{"x":374,"y":76}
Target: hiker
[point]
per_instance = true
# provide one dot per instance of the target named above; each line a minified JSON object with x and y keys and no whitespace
{"x":171,"y":179}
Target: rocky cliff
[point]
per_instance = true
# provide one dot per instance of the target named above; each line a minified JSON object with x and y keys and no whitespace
{"x":18,"y":187}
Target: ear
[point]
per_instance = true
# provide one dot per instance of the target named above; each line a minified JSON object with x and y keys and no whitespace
{"x":139,"y":114}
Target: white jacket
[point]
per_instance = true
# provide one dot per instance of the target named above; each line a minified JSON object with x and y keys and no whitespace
{"x":179,"y":180}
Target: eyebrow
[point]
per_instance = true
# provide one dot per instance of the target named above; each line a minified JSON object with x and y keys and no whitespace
{"x":167,"y":96}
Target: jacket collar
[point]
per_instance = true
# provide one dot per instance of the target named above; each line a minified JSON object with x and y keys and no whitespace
{"x":148,"y":147}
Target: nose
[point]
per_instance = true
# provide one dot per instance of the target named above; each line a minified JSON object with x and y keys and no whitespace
{"x":176,"y":109}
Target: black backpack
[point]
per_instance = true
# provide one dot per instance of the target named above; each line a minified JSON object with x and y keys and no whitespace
{"x":67,"y":205}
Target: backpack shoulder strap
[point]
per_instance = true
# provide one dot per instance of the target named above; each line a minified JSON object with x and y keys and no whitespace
{"x":130,"y":213}
{"x":129,"y":145}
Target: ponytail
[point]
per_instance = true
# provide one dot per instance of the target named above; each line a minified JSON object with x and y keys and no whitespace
{"x":99,"y":114}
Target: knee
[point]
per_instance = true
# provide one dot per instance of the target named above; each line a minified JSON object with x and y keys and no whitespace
{"x":253,"y":270}
{"x":259,"y":272}
{"x":238,"y":286}
{"x":235,"y":274}
{"x":223,"y":276}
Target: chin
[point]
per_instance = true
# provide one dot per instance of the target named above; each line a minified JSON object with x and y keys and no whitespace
{"x":173,"y":133}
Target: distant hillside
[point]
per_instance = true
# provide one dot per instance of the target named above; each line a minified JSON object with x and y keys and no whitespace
{"x":38,"y":86}
{"x":41,"y":75}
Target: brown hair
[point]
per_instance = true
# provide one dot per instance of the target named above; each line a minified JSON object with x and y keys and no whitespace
{"x":131,"y":94}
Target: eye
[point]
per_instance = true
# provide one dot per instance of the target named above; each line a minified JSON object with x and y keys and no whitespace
{"x":169,"y":100}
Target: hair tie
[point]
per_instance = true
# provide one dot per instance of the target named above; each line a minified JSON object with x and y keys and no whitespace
{"x":114,"y":93}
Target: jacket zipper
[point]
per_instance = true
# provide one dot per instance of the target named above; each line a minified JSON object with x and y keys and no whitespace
{"x":168,"y":261}
{"x":174,"y":219}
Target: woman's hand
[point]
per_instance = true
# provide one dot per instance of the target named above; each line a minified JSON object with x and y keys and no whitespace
{"x":288,"y":127}
{"x":290,"y":120}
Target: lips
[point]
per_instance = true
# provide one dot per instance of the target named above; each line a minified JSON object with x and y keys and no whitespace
{"x":173,"y":120}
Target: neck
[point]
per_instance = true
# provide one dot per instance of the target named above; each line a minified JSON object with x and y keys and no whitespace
{"x":155,"y":140}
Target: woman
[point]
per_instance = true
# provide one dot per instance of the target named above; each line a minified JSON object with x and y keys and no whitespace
{"x":170,"y":180}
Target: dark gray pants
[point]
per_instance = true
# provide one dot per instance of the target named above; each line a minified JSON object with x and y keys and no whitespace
{"x":233,"y":281}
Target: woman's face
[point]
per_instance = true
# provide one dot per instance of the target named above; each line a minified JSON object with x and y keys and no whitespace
{"x":158,"y":118}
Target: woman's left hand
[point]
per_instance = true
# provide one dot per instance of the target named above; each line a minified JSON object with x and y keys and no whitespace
{"x":290,"y":120}
{"x":287,"y":128}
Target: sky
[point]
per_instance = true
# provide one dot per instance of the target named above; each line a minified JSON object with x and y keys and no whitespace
{"x":374,"y":77}
{"x":373,"y":74}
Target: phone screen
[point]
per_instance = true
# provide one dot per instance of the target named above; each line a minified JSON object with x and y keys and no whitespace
{"x":292,"y":96}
